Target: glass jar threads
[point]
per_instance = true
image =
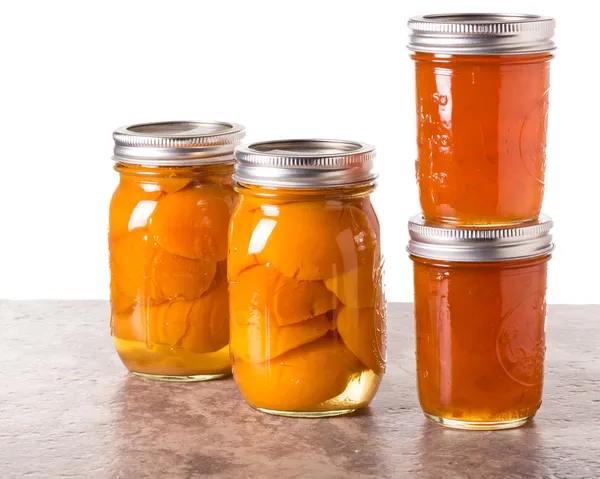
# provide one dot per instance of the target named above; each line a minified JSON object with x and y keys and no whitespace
{"x":482,"y":83}
{"x":480,"y":313}
{"x":169,"y":218}
{"x":307,"y":306}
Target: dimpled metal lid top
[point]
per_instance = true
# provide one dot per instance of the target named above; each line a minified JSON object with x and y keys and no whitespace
{"x":481,"y":33}
{"x":305,"y":163}
{"x":468,"y":244}
{"x":177,"y":143}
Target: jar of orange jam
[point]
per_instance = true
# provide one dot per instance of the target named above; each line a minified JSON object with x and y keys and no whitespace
{"x":480,"y":312}
{"x":307,"y":304}
{"x":169,"y":218}
{"x":482,"y":83}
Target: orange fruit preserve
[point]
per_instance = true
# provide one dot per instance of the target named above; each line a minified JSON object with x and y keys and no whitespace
{"x":168,"y":253}
{"x":480,"y":338}
{"x":480,"y":315}
{"x":482,"y":84}
{"x":307,"y":312}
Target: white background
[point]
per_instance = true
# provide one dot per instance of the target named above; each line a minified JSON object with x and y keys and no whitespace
{"x":71,"y":72}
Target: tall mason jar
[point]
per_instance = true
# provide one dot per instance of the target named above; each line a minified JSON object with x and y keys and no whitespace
{"x":307,"y":307}
{"x":168,"y":223}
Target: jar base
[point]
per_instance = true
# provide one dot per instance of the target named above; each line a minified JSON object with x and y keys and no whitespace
{"x":182,"y":379}
{"x":477,"y":425}
{"x":166,"y":363}
{"x":306,"y":414}
{"x":359,"y":392}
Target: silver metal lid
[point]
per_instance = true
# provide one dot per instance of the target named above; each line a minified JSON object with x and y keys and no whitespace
{"x":484,"y":244}
{"x":177,"y":143}
{"x":305,"y":163}
{"x":481,"y":33}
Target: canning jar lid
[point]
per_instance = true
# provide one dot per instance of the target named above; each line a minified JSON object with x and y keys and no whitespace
{"x":482,"y":244}
{"x":481,"y":33}
{"x":310,"y":163}
{"x":176,"y":143}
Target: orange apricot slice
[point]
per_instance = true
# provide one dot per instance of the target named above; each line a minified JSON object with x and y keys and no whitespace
{"x":302,"y":241}
{"x":128,"y":325}
{"x":262,"y":290}
{"x":173,"y":184}
{"x":165,"y":323}
{"x":362,"y":286}
{"x":209,"y":317}
{"x":293,"y":301}
{"x":364,"y":333}
{"x":317,"y":240}
{"x":365,"y":205}
{"x":176,"y":276}
{"x":241,"y":255}
{"x":131,"y":205}
{"x":299,"y":380}
{"x":193,"y":223}
{"x":199,"y":326}
{"x":261,"y":340}
{"x":249,"y":292}
{"x":130,"y":262}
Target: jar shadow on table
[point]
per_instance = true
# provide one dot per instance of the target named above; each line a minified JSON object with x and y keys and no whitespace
{"x":443,"y":452}
{"x":167,"y":428}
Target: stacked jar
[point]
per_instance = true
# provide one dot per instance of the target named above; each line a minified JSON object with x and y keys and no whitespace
{"x":480,"y":247}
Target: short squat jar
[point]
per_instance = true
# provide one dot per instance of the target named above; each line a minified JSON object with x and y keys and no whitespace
{"x":307,"y":306}
{"x":482,"y":84}
{"x":169,"y":218}
{"x":480,"y":313}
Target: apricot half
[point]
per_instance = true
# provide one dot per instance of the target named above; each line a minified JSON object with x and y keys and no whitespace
{"x":362,"y":286}
{"x":173,"y":184}
{"x":131,"y":206}
{"x":317,"y":240}
{"x":193,"y":223}
{"x":260,"y":339}
{"x":364,"y":333}
{"x":209,"y":317}
{"x":130,"y":264}
{"x":199,"y":326}
{"x":284,"y":300}
{"x":176,"y":276}
{"x":243,"y":223}
{"x":299,"y":380}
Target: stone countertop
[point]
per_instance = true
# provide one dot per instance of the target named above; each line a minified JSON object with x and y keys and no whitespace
{"x":68,"y":408}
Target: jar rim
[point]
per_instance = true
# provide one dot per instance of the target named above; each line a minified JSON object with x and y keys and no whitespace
{"x":177,"y":143}
{"x":305,"y":163}
{"x":481,"y":33}
{"x":482,"y":244}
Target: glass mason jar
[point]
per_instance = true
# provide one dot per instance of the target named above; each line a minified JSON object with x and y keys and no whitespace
{"x":167,"y":237}
{"x":482,"y":84}
{"x":307,"y":304}
{"x":480,"y":313}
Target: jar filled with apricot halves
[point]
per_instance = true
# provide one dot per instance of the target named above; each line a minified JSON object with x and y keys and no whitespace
{"x":482,"y":85}
{"x":480,"y":314}
{"x":169,"y":218}
{"x":307,"y":304}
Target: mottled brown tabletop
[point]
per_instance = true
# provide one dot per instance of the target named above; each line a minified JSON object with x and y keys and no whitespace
{"x":68,"y":408}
